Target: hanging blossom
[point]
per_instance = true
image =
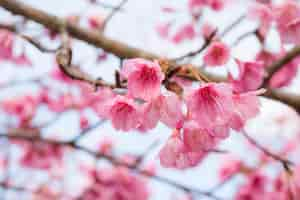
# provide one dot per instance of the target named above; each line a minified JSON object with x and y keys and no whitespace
{"x":287,"y":16}
{"x":201,"y":118}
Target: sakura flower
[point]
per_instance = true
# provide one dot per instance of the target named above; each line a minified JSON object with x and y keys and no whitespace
{"x":207,"y":30}
{"x":285,"y":75}
{"x":217,"y":54}
{"x":230,"y":168}
{"x":195,"y":6}
{"x":96,"y":21}
{"x":100,"y":99}
{"x":216,"y":5}
{"x":123,"y":113}
{"x":186,"y":32}
{"x":40,"y":155}
{"x":251,"y":76}
{"x":246,"y":106}
{"x":116,"y":184}
{"x":150,"y":116}
{"x":163,"y":30}
{"x":197,"y":139}
{"x":292,"y":32}
{"x":263,"y":14}
{"x":210,"y":105}
{"x":175,"y":154}
{"x":171,"y":112}
{"x":6,"y":45}
{"x":287,"y":16}
{"x":144,"y":78}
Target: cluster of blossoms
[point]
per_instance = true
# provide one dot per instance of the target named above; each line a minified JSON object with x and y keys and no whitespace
{"x":201,"y":118}
{"x":115,"y":183}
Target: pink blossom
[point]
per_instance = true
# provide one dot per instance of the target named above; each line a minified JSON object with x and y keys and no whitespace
{"x":100,"y":99}
{"x":195,"y":6}
{"x":186,"y":32}
{"x":287,"y":15}
{"x":116,"y":184}
{"x":230,"y":168}
{"x":246,"y":106}
{"x":96,"y":21}
{"x":41,"y":155}
{"x":207,"y":30}
{"x":150,"y":115}
{"x":123,"y":113}
{"x":292,"y":33}
{"x":163,"y":30}
{"x":170,"y":107}
{"x":217,"y":54}
{"x":216,"y":5}
{"x":175,"y":154}
{"x":144,"y":78}
{"x":84,"y":122}
{"x":251,"y":76}
{"x":197,"y":139}
{"x":285,"y":75}
{"x":6,"y":45}
{"x":263,"y":14}
{"x":210,"y":105}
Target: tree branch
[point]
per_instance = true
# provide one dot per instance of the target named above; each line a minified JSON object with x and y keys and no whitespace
{"x":119,"y":49}
{"x":115,"y":161}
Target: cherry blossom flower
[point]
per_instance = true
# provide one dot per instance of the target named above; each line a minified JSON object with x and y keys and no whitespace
{"x":163,"y":30}
{"x":116,"y":183}
{"x":6,"y":45}
{"x":150,"y":115}
{"x":216,"y":5}
{"x":246,"y":106}
{"x":175,"y":154}
{"x":96,"y":21}
{"x":287,"y":16}
{"x":285,"y":75}
{"x":210,"y":105}
{"x":217,"y":54}
{"x":123,"y":113}
{"x":144,"y":78}
{"x":230,"y":168}
{"x":41,"y":155}
{"x":186,"y":32}
{"x":263,"y":14}
{"x":207,"y":30}
{"x":197,"y":139}
{"x":251,"y":76}
{"x":171,"y":112}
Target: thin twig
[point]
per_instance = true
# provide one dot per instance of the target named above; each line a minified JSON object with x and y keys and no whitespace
{"x":114,"y":161}
{"x":112,"y":14}
{"x":286,"y":163}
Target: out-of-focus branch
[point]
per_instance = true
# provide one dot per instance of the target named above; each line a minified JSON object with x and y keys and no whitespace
{"x":206,"y":43}
{"x":117,"y":48}
{"x":115,"y":161}
{"x":112,"y":14}
{"x":13,"y":28}
{"x":286,"y":163}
